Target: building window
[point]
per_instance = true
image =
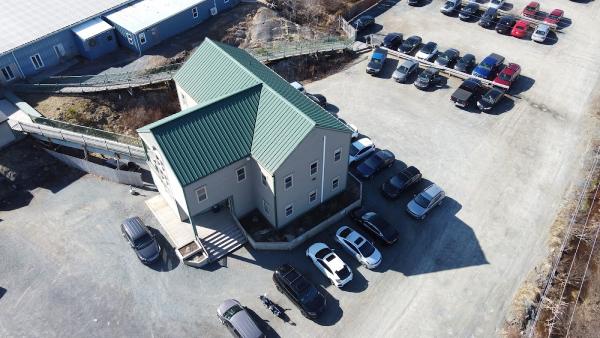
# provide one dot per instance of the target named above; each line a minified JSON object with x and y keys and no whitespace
{"x":288,"y":182}
{"x":266,"y":208}
{"x":92,"y":42}
{"x":109,"y":37}
{"x":312,"y":196}
{"x":241,"y":174}
{"x":195,"y":12}
{"x":314,"y":168}
{"x":8,"y":73}
{"x":337,"y":155}
{"x":263,"y":179}
{"x":142,"y":37}
{"x":201,"y":193}
{"x":37,"y":61}
{"x":129,"y":38}
{"x":335,"y":183}
{"x":289,"y":210}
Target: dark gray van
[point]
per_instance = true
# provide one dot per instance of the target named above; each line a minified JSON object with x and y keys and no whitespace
{"x":140,"y":239}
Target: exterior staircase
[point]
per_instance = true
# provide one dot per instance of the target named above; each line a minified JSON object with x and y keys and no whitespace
{"x":224,"y":240}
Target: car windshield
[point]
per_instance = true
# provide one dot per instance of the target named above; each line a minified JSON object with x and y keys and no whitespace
{"x":491,"y":96}
{"x":553,"y":16}
{"x":402,"y":69}
{"x":143,"y":241}
{"x":530,"y":8}
{"x":412,"y":40}
{"x":232,"y":311}
{"x":376,"y":61}
{"x":365,"y":248}
{"x":428,"y":48}
{"x":504,"y":76}
{"x":449,"y":4}
{"x":421,"y":200}
{"x":353,"y":150}
{"x":307,"y":294}
{"x":322,"y":253}
{"x":425,"y":75}
{"x":540,"y":32}
{"x":344,"y":272}
{"x":373,"y":161}
{"x":496,"y":2}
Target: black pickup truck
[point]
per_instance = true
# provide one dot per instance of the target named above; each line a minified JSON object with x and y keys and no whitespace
{"x":469,"y":91}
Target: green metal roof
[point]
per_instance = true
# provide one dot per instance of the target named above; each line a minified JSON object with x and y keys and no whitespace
{"x":263,"y":116}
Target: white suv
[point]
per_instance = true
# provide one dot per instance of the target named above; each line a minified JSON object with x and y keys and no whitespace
{"x":360,"y":149}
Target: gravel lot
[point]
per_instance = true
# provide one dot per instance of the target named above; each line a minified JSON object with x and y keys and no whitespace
{"x":67,"y":272}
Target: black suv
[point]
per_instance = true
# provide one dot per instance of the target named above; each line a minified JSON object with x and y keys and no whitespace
{"x":299,"y":290}
{"x":140,"y":239}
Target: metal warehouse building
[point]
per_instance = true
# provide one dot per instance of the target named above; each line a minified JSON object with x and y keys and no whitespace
{"x":144,"y":24}
{"x":39,"y":35}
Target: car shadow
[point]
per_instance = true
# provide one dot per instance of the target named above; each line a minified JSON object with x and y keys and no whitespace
{"x":364,"y":34}
{"x":507,"y":7}
{"x":262,"y":324}
{"x":523,"y":84}
{"x":168,"y":258}
{"x":333,"y":312}
{"x":551,"y":39}
{"x":442,"y":241}
{"x":389,"y":67}
{"x":2,"y":292}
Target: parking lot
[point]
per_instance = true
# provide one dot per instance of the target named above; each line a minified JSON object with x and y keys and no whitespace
{"x":68,"y":272}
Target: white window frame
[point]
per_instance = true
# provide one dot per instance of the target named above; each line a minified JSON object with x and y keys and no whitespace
{"x":37,"y":57}
{"x":291,"y":208}
{"x":310,"y":195}
{"x":291,"y":177}
{"x":194,"y":12}
{"x":237,"y":174}
{"x":316,"y":163}
{"x":337,"y":153}
{"x":202,"y":188}
{"x":225,"y":1}
{"x":7,"y":73}
{"x":335,"y":183}
{"x":142,"y":37}
{"x":266,"y":207}
{"x":129,"y":38}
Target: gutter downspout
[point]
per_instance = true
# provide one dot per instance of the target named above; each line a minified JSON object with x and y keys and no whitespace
{"x":275,"y":201}
{"x":18,"y":65}
{"x":323,"y":169}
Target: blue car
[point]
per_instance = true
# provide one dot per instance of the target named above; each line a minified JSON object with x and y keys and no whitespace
{"x":377,"y":60}
{"x":489,"y":67}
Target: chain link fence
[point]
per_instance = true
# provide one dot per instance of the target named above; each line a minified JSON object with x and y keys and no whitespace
{"x":283,"y":49}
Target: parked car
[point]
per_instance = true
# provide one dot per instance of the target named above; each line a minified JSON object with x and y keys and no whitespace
{"x":298,"y":86}
{"x":541,"y":33}
{"x":237,"y":320}
{"x":318,"y":99}
{"x":394,"y":185}
{"x":425,"y":201}
{"x":531,"y":10}
{"x":392,"y":41}
{"x":520,"y":29}
{"x":488,"y":19}
{"x":488,"y":67}
{"x":428,"y":51}
{"x":468,"y":92}
{"x":410,"y":44}
{"x":354,"y":129}
{"x":450,"y":6}
{"x":360,"y":149}
{"x":554,"y":17}
{"x":377,"y":61}
{"x":448,"y":58}
{"x":330,"y":264}
{"x":415,"y":2}
{"x":299,"y":290}
{"x":376,"y":225}
{"x":508,"y":75}
{"x":429,"y":77}
{"x":358,"y":247}
{"x":497,"y":4}
{"x":505,"y":24}
{"x":465,"y":64}
{"x":375,"y":162}
{"x":138,"y":236}
{"x":364,"y":22}
{"x":469,"y":12}
{"x":405,"y":71}
{"x":490,"y":99}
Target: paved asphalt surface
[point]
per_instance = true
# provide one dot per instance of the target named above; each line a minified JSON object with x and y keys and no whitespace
{"x":67,"y":272}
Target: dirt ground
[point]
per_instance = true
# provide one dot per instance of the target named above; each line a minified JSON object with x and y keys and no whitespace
{"x":118,"y":111}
